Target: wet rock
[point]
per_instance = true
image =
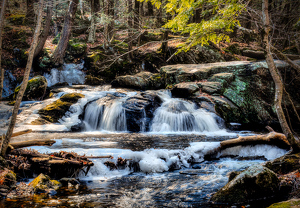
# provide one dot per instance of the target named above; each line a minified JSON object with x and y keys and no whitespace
{"x":254,"y":183}
{"x":56,"y":110}
{"x":139,"y":110}
{"x":184,"y":90}
{"x":35,"y":90}
{"x":91,"y":80}
{"x":141,"y":81}
{"x":285,"y":164}
{"x":44,"y":184}
{"x":66,"y":181}
{"x":292,"y":203}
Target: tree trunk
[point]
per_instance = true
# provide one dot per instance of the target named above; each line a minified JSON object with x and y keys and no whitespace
{"x":60,"y":50}
{"x":12,"y":123}
{"x":136,"y":24}
{"x":149,"y":9}
{"x":29,"y":18}
{"x":277,"y":80}
{"x":130,"y":26}
{"x":109,"y":28}
{"x":45,"y":33}
{"x":3,"y":7}
{"x":95,"y":7}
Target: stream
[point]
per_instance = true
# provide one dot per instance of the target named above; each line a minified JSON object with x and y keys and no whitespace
{"x":166,"y":165}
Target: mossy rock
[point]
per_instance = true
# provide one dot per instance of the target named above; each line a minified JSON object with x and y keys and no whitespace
{"x":253,"y":184}
{"x":35,"y":89}
{"x":292,"y":203}
{"x":285,"y":164}
{"x":76,"y":49}
{"x":91,"y":80}
{"x":43,"y":183}
{"x":7,"y":178}
{"x":56,"y":110}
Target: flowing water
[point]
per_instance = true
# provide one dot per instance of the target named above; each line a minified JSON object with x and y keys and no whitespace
{"x":165,"y":158}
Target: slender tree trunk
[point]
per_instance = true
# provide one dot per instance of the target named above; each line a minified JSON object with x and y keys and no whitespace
{"x":277,"y":80}
{"x":149,"y":9}
{"x":29,"y":18}
{"x":3,"y":7}
{"x":45,"y":33}
{"x":136,"y":24}
{"x":66,"y":32}
{"x":12,"y":123}
{"x":109,"y":28}
{"x":130,"y":26}
{"x":95,"y":6}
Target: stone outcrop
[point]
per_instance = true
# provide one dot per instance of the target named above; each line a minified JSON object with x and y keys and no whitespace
{"x":44,"y":184}
{"x":253,"y":184}
{"x":139,"y":110}
{"x":35,"y":90}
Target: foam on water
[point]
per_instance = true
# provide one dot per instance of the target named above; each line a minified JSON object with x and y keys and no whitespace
{"x":155,"y":160}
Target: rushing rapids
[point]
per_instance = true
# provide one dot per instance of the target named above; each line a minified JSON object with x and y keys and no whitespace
{"x":165,"y":162}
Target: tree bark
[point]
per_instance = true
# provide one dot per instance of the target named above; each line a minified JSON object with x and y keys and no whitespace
{"x":3,"y":7}
{"x":130,"y":26}
{"x":12,"y":123}
{"x":277,"y":80}
{"x":95,"y":6}
{"x":286,"y":58}
{"x":45,"y":33}
{"x":109,"y":27}
{"x":66,"y":32}
{"x":149,"y":9}
{"x":136,"y":24}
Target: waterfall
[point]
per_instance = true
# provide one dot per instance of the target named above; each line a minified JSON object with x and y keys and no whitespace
{"x":100,"y":115}
{"x":177,"y":115}
{"x":71,"y":74}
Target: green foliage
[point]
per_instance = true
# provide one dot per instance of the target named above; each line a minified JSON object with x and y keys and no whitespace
{"x":218,"y":19}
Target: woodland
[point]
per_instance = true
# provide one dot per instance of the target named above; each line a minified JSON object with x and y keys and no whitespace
{"x":237,"y":59}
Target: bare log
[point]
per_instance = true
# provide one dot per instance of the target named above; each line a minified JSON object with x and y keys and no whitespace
{"x":19,"y":133}
{"x":96,"y":157}
{"x":272,"y":138}
{"x":286,"y":58}
{"x":41,"y":142}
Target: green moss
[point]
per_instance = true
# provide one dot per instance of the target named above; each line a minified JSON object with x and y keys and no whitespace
{"x":56,"y":110}
{"x":293,"y":203}
{"x":56,"y":39}
{"x":43,"y":182}
{"x":16,"y":19}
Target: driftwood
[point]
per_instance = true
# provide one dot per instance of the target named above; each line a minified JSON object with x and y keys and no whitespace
{"x":21,"y":132}
{"x":272,"y":138}
{"x":56,"y":165}
{"x":254,"y":54}
{"x":40,"y":142}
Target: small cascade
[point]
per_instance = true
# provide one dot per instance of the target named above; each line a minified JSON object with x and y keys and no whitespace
{"x":71,"y":74}
{"x":176,"y":115}
{"x":103,"y":115}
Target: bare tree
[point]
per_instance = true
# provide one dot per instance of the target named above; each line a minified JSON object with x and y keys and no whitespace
{"x":45,"y":33}
{"x":3,"y":7}
{"x":60,"y":50}
{"x":12,"y":123}
{"x":95,"y":7}
{"x":277,"y":79}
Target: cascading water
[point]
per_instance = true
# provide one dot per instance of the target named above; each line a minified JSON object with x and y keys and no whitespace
{"x":100,"y":115}
{"x":71,"y":74}
{"x":177,"y":115}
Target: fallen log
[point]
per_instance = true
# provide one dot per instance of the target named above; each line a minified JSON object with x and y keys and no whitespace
{"x":19,"y":133}
{"x":272,"y":138}
{"x":40,"y":142}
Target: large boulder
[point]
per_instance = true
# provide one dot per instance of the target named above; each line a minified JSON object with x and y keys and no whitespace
{"x":8,"y":180}
{"x":35,"y":90}
{"x":140,"y":81}
{"x":292,"y":203}
{"x":285,"y":164}
{"x":139,"y":110}
{"x":56,"y":110}
{"x":174,"y":74}
{"x":253,"y":184}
